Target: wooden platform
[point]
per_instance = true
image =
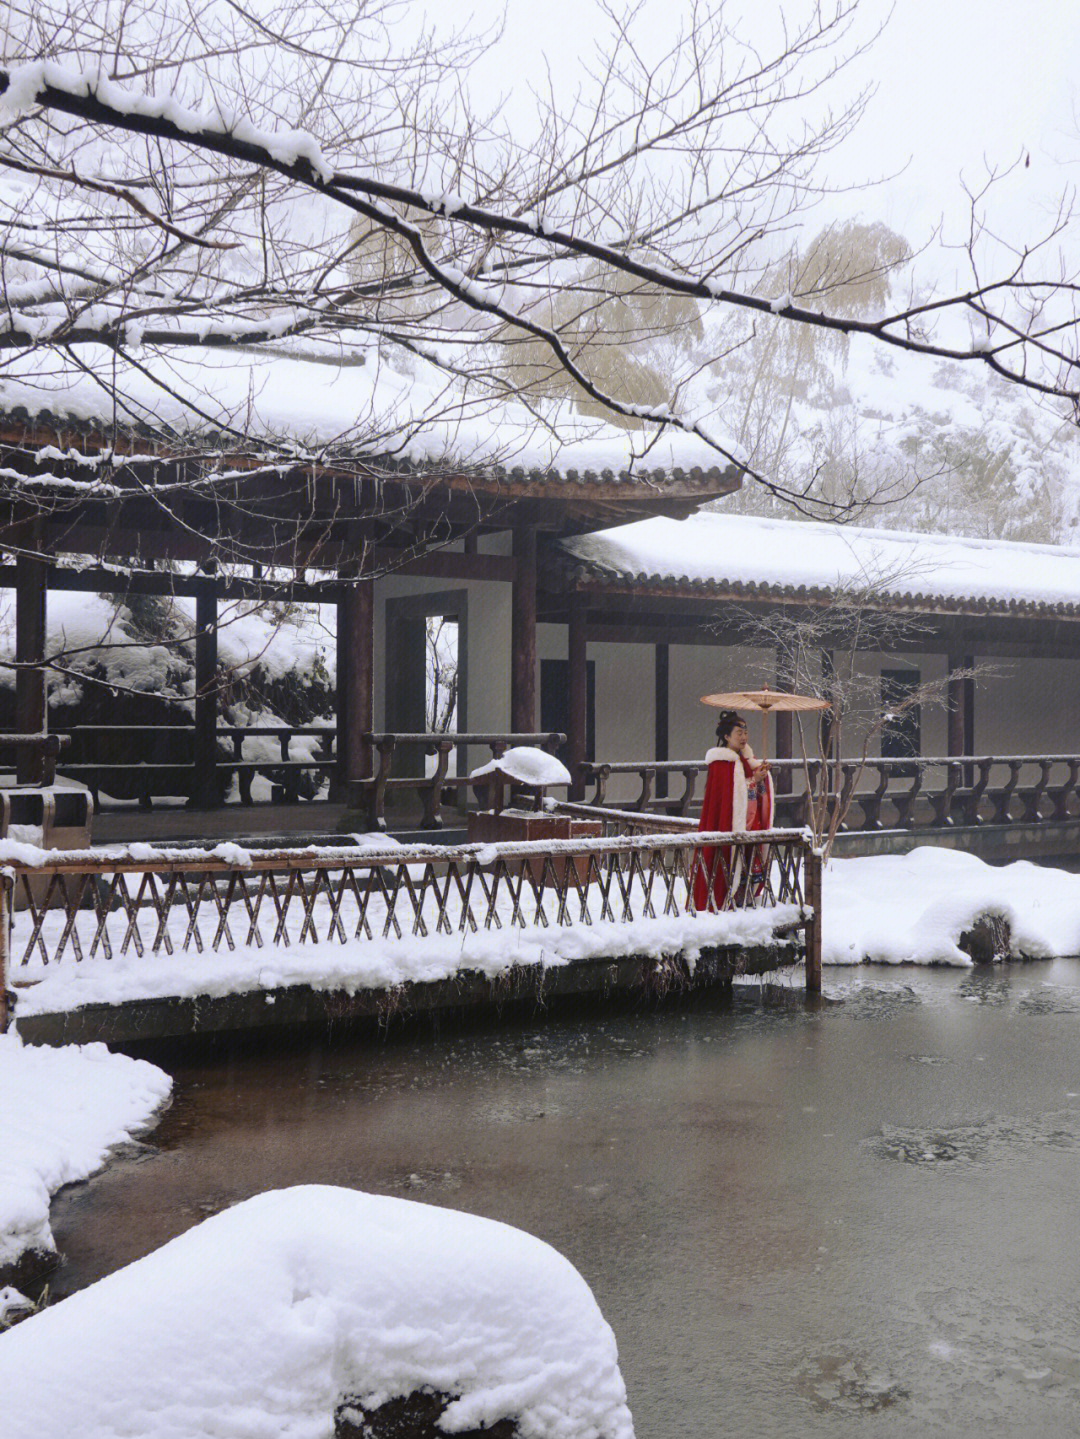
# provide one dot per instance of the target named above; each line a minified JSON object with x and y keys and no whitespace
{"x":300,"y":1007}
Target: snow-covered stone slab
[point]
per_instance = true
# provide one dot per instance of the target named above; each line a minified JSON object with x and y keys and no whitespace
{"x":525,"y":764}
{"x":263,"y":1319}
{"x":61,"y":1111}
{"x":382,"y":963}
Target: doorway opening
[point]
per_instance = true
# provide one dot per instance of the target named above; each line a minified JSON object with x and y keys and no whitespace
{"x":426,"y":671}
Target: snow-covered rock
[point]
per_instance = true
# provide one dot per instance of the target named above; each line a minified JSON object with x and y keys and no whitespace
{"x":61,"y":1111}
{"x":527,"y":765}
{"x":913,"y":908}
{"x":262,"y":1319}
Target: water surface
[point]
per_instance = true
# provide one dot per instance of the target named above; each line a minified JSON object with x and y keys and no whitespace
{"x":857,"y":1219}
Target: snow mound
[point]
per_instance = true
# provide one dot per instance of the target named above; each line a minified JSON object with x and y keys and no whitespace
{"x":263,"y":1318}
{"x":913,"y":908}
{"x":61,"y":1111}
{"x":524,"y":764}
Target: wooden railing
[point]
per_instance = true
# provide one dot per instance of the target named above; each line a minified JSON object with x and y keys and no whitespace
{"x":92,"y":907}
{"x":884,"y":793}
{"x":34,"y":755}
{"x":146,"y":777}
{"x":174,"y":773}
{"x":429,"y":789}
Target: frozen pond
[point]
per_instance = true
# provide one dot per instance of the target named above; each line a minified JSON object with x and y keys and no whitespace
{"x":853,"y":1220}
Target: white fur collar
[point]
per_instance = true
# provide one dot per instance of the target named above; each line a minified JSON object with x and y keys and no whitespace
{"x":722,"y":752}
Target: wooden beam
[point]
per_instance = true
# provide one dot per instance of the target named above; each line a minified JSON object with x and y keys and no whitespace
{"x":30,"y":711}
{"x":453,"y":565}
{"x":119,"y":579}
{"x":523,"y":634}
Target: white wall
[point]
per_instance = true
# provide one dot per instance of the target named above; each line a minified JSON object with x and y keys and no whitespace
{"x":1028,"y":707}
{"x":488,"y":685}
{"x":696,"y":670}
{"x":1025,"y":706}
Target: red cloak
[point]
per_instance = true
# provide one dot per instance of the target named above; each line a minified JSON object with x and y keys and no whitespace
{"x":726,"y":809}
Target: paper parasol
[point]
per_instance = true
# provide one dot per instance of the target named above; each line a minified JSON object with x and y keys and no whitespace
{"x":764,"y":700}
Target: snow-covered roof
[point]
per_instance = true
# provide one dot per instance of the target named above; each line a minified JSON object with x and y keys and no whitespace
{"x":787,"y":559}
{"x":355,"y":404}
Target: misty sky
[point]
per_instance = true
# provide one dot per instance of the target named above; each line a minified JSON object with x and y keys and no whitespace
{"x":957,"y":81}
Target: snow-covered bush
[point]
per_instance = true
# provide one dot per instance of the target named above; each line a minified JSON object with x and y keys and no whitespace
{"x":267,"y":1318}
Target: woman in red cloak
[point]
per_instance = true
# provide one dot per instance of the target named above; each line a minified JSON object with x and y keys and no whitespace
{"x":738,"y":798}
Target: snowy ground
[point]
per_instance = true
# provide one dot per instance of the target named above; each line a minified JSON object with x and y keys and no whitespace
{"x":377,"y":963}
{"x":61,"y":1111}
{"x":912,"y":909}
{"x":264,"y":1318}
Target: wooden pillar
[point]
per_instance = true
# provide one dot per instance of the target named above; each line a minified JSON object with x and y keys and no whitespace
{"x":785,"y":682}
{"x":205,"y":792}
{"x":30,"y":717}
{"x":661,"y":732}
{"x":828,"y":690}
{"x":577,"y":641}
{"x":355,"y":687}
{"x":812,"y":931}
{"x":523,"y":634}
{"x":969,"y":707}
{"x":955,"y":706}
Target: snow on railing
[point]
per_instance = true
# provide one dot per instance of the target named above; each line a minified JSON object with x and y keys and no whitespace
{"x":93,"y":906}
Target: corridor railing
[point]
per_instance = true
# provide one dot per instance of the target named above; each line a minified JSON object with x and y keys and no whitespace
{"x":298,"y":762}
{"x":153,"y":762}
{"x":429,"y":789}
{"x":907,"y":794}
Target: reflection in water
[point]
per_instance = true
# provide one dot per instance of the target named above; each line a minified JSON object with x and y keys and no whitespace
{"x":797,"y":1221}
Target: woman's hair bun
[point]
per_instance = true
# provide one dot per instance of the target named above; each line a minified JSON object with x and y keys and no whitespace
{"x":726,"y":722}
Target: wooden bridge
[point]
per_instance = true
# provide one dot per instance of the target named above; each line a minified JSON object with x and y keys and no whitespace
{"x":142,"y":943}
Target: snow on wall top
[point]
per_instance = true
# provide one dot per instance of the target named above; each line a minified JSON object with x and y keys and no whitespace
{"x":758,"y":555}
{"x":263,"y":1318}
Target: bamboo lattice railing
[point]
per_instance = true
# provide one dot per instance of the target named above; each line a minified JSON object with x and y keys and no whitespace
{"x":92,"y":906}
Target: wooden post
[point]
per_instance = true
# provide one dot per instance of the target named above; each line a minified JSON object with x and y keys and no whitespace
{"x":969,"y":716}
{"x":205,"y":793}
{"x":355,"y":693}
{"x":7,"y":886}
{"x":30,"y":713}
{"x":661,"y":731}
{"x":828,"y":717}
{"x":577,"y":692}
{"x":523,"y":634}
{"x":812,"y":933}
{"x":785,"y":682}
{"x":955,"y":706}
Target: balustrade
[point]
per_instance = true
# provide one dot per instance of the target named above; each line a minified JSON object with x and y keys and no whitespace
{"x":930,"y":793}
{"x":429,"y":788}
{"x":164,"y":763}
